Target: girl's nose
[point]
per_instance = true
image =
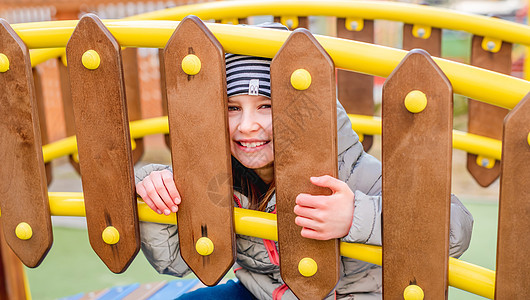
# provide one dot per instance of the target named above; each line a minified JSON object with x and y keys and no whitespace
{"x":248,"y":123}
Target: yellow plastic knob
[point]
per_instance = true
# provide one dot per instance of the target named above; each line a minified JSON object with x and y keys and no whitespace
{"x":23,"y":231}
{"x":4,"y":63}
{"x":289,"y":21}
{"x":301,"y":79}
{"x":307,"y":267}
{"x":191,"y":64}
{"x":354,"y":24}
{"x":491,"y":44}
{"x":110,"y":235}
{"x":415,"y":101}
{"x":91,"y":60}
{"x":421,"y":31}
{"x":528,"y":139}
{"x":204,"y":246}
{"x":413,"y":292}
{"x":485,"y":162}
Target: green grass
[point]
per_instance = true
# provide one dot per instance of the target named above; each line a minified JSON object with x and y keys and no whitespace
{"x":72,"y":267}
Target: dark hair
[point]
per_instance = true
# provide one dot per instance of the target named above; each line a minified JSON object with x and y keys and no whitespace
{"x":248,"y":183}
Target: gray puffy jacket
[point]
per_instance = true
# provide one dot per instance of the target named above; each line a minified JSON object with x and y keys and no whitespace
{"x":359,"y":280}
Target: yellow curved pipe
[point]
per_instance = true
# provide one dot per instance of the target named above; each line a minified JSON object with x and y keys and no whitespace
{"x":381,"y":10}
{"x":468,"y":142}
{"x":39,"y":56}
{"x":462,"y":275}
{"x":479,"y":84}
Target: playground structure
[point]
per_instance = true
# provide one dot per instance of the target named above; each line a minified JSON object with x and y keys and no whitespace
{"x":407,"y":82}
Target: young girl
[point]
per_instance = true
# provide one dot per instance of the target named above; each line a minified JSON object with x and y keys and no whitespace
{"x":352,"y":212}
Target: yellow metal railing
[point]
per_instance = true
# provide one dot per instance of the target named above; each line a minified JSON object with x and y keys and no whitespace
{"x":462,"y":275}
{"x":401,"y":12}
{"x":483,"y":85}
{"x":468,"y":142}
{"x":380,"y":10}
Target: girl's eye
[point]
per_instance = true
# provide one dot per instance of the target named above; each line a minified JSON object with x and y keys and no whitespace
{"x":233,"y":108}
{"x":265,"y":106}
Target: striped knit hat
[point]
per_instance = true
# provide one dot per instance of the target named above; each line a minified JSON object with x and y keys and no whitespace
{"x":249,"y":75}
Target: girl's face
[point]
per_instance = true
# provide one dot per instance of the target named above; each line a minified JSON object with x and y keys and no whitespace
{"x":250,"y":125}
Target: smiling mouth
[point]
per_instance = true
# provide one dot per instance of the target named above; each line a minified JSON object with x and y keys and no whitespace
{"x":252,"y":144}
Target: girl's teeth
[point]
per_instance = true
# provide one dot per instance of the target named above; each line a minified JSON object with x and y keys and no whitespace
{"x":252,"y":145}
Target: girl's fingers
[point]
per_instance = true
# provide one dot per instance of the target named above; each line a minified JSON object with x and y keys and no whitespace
{"x":307,"y":223}
{"x":330,"y":182}
{"x":167,"y":177}
{"x":314,"y":201}
{"x":140,"y":189}
{"x":311,"y":234}
{"x":153,"y":194}
{"x":160,"y":187}
{"x":307,"y":212}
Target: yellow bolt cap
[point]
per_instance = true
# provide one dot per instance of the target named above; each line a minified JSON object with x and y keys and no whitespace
{"x":307,"y":267}
{"x":110,"y":235}
{"x":191,"y":64}
{"x":23,"y":231}
{"x":4,"y":63}
{"x":301,"y":79}
{"x":485,"y":162}
{"x":413,"y":292}
{"x":204,"y":246}
{"x":415,"y":101}
{"x":91,"y":60}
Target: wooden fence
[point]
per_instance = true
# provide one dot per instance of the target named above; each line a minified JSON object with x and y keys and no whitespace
{"x":417,"y":131}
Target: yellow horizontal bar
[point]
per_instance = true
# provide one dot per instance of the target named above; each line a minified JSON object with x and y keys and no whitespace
{"x":380,"y":10}
{"x":472,"y":278}
{"x":39,"y":56}
{"x":467,"y":142}
{"x":479,"y":84}
{"x":462,"y":275}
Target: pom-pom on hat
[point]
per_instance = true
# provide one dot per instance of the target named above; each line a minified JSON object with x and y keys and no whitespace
{"x":249,"y":75}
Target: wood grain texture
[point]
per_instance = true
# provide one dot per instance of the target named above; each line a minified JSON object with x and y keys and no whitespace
{"x":356,"y":90}
{"x":68,"y":110}
{"x":513,"y":266}
{"x":416,"y":154}
{"x":39,"y":95}
{"x":11,"y":273}
{"x":433,"y":44}
{"x":200,"y":149}
{"x":163,"y":90}
{"x":483,"y":118}
{"x":103,"y":141}
{"x":22,"y":175}
{"x":132,"y":92}
{"x":305,"y":145}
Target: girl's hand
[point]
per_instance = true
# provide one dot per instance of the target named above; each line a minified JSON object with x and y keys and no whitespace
{"x":325,"y":217}
{"x":159,"y":192}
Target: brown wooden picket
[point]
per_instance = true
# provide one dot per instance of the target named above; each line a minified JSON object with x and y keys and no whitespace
{"x":485,"y":119}
{"x":513,"y":266}
{"x":416,"y":153}
{"x":197,"y":108}
{"x":297,"y":111}
{"x":356,"y":90}
{"x":103,"y":139}
{"x":24,"y":202}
